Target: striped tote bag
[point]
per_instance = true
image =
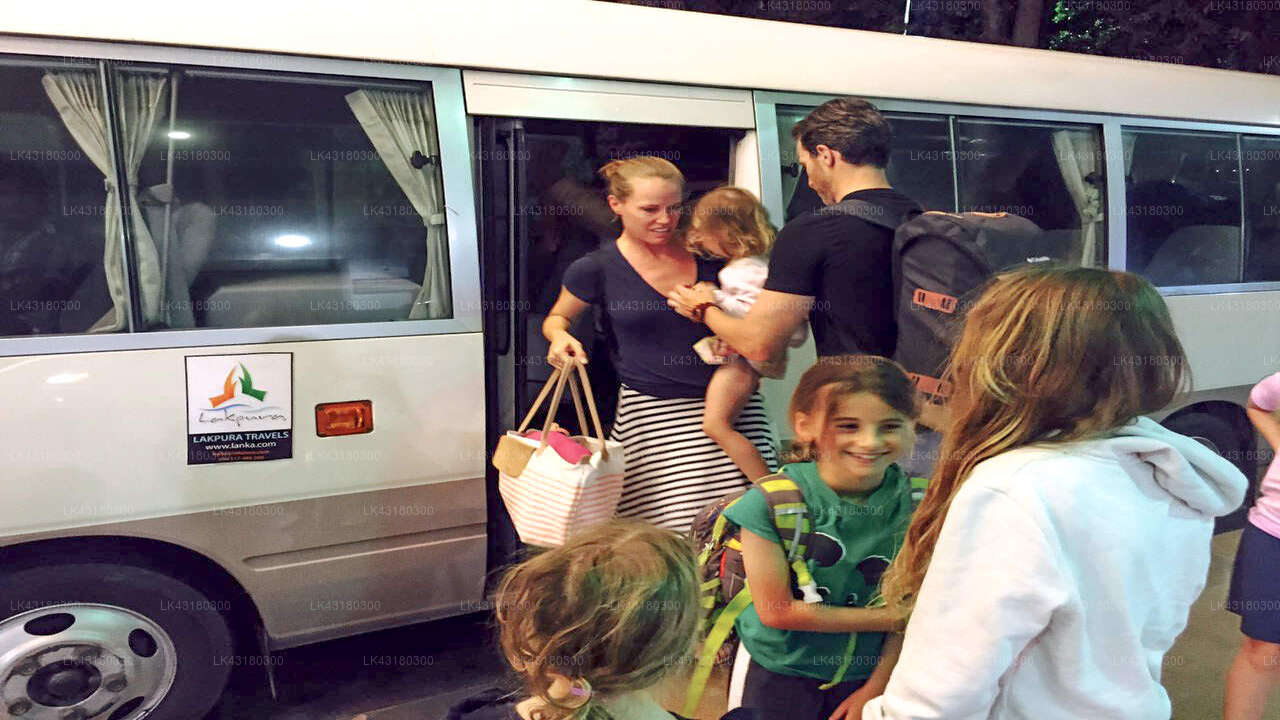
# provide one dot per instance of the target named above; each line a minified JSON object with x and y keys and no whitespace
{"x":549,"y":498}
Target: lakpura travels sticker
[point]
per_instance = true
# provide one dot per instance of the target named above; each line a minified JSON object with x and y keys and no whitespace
{"x":239,"y":408}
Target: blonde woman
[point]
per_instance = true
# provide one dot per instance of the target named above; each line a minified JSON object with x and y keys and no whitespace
{"x":672,"y":468}
{"x":1064,"y":536}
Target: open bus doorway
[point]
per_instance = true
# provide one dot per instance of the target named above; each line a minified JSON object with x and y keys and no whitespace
{"x":543,"y":206}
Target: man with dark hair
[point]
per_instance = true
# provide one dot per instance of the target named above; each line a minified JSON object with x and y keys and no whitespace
{"x":829,"y":265}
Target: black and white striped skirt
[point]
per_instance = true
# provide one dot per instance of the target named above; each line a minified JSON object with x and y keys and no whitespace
{"x":673,"y":468}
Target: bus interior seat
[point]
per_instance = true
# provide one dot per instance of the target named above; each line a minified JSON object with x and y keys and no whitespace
{"x":308,"y":298}
{"x":1197,"y":255}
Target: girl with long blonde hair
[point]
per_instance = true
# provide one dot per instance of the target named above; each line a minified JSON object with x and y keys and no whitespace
{"x":1064,"y":535}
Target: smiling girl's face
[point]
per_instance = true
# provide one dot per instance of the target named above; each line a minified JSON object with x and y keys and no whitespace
{"x":857,"y":442}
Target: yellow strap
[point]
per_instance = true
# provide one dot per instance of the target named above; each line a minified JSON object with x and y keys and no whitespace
{"x":779,"y":484}
{"x":849,"y":650}
{"x":711,"y":646}
{"x":801,"y":569}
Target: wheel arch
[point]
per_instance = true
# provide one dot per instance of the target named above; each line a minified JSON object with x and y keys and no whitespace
{"x":182,"y":563}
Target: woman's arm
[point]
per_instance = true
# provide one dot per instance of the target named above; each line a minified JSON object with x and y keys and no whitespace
{"x":556,"y":329}
{"x":762,"y":333}
{"x":769,"y":577}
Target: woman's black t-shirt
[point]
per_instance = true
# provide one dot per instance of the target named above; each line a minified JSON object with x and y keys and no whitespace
{"x":654,"y":343}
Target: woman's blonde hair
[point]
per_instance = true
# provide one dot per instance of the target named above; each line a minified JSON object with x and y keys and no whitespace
{"x":734,"y":216}
{"x":616,"y":606}
{"x":1047,"y":354}
{"x":834,"y":377}
{"x":620,"y":174}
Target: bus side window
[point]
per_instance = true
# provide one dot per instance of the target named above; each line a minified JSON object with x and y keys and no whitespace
{"x":1050,"y":174}
{"x":919,"y":161}
{"x":276,"y":202}
{"x":1183,"y":203}
{"x":52,"y":207}
{"x":1262,"y":208}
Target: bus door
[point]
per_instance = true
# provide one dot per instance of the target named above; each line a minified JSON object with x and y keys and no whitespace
{"x":539,"y":143}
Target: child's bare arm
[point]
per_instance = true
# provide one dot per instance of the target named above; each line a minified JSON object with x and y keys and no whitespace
{"x":1267,"y":423}
{"x":770,"y":580}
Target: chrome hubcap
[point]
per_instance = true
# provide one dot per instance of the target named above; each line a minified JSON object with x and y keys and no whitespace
{"x":77,"y":660}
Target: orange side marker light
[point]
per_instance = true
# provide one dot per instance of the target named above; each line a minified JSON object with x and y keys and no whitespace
{"x":352,"y":417}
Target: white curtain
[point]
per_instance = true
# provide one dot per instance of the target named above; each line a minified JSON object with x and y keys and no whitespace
{"x":76,"y":97}
{"x":1078,"y":154}
{"x":398,"y":123}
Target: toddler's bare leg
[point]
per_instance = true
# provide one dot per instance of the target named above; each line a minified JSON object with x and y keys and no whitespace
{"x":730,"y":388}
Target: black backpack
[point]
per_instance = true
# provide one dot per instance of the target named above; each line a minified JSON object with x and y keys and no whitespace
{"x":940,"y":263}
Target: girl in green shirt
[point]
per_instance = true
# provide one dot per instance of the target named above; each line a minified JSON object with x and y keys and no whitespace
{"x":853,"y":418}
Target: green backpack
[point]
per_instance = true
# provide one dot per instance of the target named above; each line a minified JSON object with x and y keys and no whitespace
{"x":724,"y":593}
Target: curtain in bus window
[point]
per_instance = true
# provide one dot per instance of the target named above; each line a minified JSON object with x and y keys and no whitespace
{"x":75,"y":96}
{"x":1077,"y":153}
{"x":399,"y":123}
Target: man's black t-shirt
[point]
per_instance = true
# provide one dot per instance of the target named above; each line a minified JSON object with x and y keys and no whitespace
{"x":844,"y":262}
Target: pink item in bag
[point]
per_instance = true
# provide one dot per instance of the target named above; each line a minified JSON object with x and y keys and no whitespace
{"x":566,"y":447}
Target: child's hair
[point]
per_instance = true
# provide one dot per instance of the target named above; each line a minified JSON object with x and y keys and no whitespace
{"x":1047,"y":354}
{"x":846,"y":375}
{"x":736,"y":217}
{"x":620,"y":174}
{"x":616,"y":606}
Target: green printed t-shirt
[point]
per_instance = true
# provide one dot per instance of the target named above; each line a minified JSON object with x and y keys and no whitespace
{"x":853,"y":542}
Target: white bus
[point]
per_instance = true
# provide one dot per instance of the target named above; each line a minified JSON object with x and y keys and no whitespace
{"x":271,"y":279}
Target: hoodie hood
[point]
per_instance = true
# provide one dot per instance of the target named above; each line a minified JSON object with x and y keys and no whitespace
{"x":1185,"y":468}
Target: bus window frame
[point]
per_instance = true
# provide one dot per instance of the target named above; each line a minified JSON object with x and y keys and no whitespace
{"x":456,"y":171}
{"x":1111,"y":127}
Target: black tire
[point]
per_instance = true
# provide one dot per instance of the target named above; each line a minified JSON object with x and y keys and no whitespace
{"x":196,"y":624}
{"x":1223,"y":438}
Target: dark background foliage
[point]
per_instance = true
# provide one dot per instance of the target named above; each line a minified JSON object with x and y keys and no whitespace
{"x":1230,"y":34}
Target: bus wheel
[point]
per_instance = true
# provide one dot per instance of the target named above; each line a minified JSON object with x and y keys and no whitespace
{"x":108,"y":641}
{"x":1221,"y":437}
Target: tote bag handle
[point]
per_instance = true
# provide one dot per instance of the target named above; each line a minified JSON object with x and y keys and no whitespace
{"x":559,"y":378}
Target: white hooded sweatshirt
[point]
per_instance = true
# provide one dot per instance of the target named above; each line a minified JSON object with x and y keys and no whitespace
{"x":1061,"y":577}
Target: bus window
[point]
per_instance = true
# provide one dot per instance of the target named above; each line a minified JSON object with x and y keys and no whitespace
{"x":272,"y":200}
{"x":919,"y":161}
{"x":1048,"y":173}
{"x":1262,"y":208}
{"x":53,"y":203}
{"x":1183,"y":202}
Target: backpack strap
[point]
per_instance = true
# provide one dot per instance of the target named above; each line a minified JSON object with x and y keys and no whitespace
{"x":877,"y":215}
{"x":850,"y":649}
{"x":719,"y":632}
{"x":790,"y":516}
